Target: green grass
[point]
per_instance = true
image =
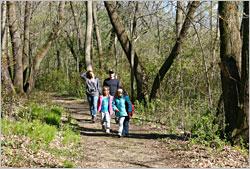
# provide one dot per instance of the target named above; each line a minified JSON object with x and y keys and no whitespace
{"x":36,"y":130}
{"x":70,"y":136}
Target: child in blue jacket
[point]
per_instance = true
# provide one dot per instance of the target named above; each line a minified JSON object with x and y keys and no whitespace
{"x":119,"y":107}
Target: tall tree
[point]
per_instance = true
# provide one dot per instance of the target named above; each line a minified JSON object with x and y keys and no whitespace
{"x":179,"y":17}
{"x":176,"y":49}
{"x":43,"y":51}
{"x":232,"y":68}
{"x":89,"y":25}
{"x":244,"y":91}
{"x":139,"y":70}
{"x":98,"y":34}
{"x":16,"y":47}
{"x":5,"y":76}
{"x":26,"y":40}
{"x":79,"y":60}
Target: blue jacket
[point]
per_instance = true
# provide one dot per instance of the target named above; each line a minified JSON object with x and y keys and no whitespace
{"x":119,"y":103}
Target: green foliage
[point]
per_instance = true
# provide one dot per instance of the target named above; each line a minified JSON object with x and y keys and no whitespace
{"x":57,"y":110}
{"x":68,"y":164}
{"x":36,"y":130}
{"x":52,"y":118}
{"x":56,"y":81}
{"x":70,"y":136}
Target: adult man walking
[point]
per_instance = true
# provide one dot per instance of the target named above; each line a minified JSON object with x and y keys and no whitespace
{"x":113,"y":84}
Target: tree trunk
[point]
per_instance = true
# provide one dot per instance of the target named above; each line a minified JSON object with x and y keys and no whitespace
{"x":43,"y":51}
{"x":230,"y":52}
{"x":89,"y":19}
{"x":179,"y":18}
{"x":3,"y":19}
{"x":79,"y":36}
{"x":139,"y":71}
{"x":244,"y":91}
{"x":16,"y":47}
{"x":98,"y":35}
{"x":133,"y":30}
{"x":5,"y":76}
{"x":26,"y":41}
{"x":175,"y":51}
{"x":58,"y":55}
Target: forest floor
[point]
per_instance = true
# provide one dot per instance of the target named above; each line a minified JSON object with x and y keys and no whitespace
{"x":147,"y":146}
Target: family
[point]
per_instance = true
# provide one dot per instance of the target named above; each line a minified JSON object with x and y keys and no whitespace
{"x":109,"y":100}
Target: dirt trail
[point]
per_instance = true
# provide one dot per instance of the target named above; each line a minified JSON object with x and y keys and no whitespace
{"x":145,"y":147}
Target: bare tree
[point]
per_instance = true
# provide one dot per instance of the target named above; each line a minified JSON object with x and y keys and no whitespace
{"x":79,"y":37}
{"x":26,"y":40}
{"x":5,"y":76}
{"x":89,"y":19}
{"x":179,"y":17}
{"x":139,"y":70}
{"x":16,"y":47}
{"x":43,"y":51}
{"x":98,"y":34}
{"x":176,"y":49}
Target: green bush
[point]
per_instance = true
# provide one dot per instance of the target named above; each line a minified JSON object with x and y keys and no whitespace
{"x":203,"y":128}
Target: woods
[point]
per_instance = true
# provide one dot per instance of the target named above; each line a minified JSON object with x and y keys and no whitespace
{"x":185,"y":65}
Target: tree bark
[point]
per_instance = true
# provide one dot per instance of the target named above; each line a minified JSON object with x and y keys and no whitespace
{"x":89,"y":19}
{"x":139,"y":70}
{"x":43,"y":51}
{"x":176,"y":49}
{"x":3,"y":19}
{"x":98,"y":34}
{"x":179,"y":18}
{"x":230,"y":53}
{"x":133,"y":30}
{"x":16,"y":47}
{"x":244,"y":91}
{"x":5,"y":76}
{"x":58,"y":55}
{"x":79,"y":36}
{"x":26,"y":41}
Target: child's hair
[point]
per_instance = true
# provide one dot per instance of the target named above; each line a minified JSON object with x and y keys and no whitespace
{"x":123,"y":91}
{"x":105,"y":88}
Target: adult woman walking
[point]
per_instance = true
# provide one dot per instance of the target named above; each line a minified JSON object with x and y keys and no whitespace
{"x":93,"y":89}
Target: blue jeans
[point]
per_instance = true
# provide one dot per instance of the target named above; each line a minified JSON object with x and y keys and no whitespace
{"x":126,"y":126}
{"x":93,"y":104}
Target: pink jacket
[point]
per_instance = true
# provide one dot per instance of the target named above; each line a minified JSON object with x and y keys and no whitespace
{"x":99,"y":104}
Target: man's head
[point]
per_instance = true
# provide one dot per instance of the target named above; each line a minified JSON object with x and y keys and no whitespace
{"x":111,"y":73}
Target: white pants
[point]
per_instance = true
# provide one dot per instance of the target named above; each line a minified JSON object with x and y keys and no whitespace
{"x":106,"y":118}
{"x":121,"y":120}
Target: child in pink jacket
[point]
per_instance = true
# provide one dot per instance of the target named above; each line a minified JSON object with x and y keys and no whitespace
{"x":104,"y":106}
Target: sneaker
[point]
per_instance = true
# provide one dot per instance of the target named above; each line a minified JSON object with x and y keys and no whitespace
{"x":119,"y":135}
{"x":107,"y":131}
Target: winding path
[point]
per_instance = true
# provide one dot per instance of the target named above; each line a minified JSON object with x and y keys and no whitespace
{"x":146,"y":146}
